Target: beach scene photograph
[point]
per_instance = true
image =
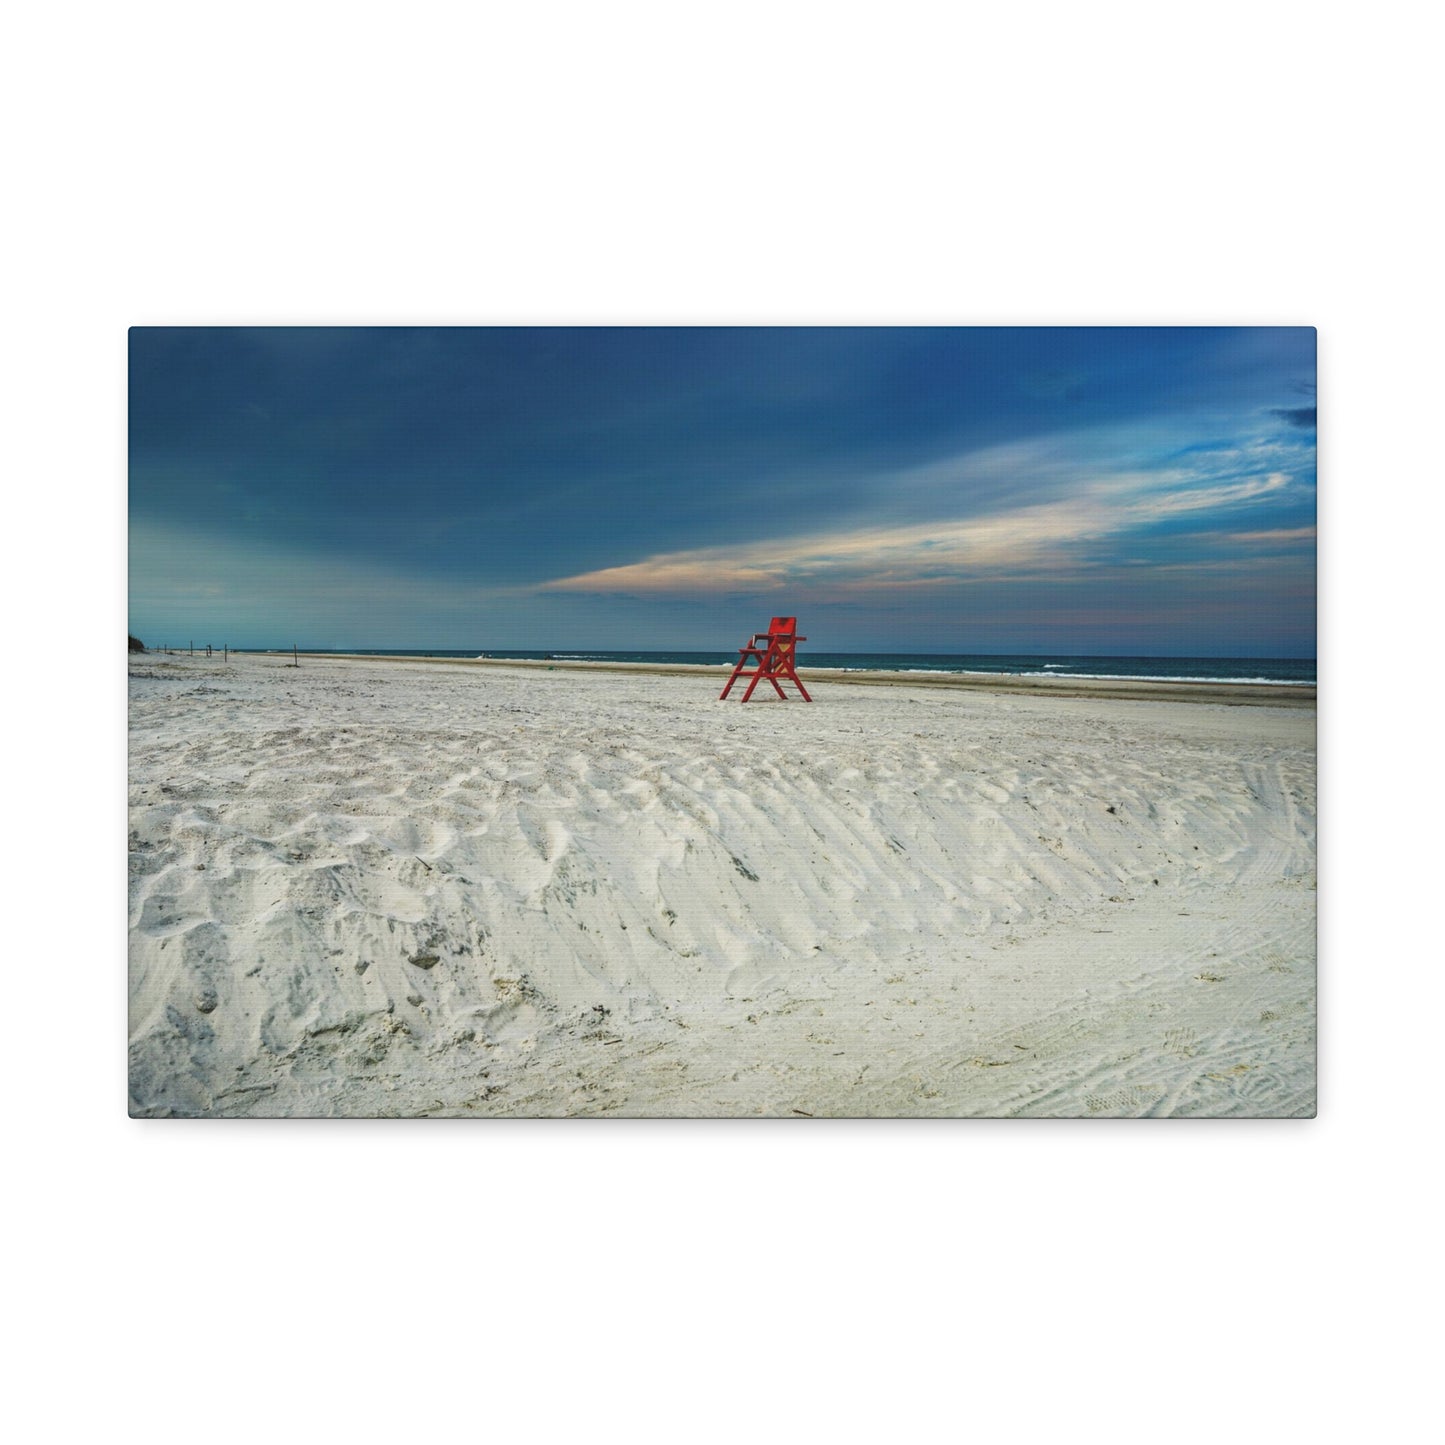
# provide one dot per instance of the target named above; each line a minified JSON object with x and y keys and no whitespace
{"x":721,"y":722}
{"x":718,"y":819}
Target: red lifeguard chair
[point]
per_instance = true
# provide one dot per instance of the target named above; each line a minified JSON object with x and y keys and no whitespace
{"x":774,"y":651}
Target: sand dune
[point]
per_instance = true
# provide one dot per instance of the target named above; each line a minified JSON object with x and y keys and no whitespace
{"x":391,"y":888}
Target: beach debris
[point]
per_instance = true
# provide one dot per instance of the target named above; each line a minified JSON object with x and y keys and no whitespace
{"x":206,"y":1000}
{"x":425,"y":960}
{"x":804,"y":1113}
{"x":414,"y":999}
{"x":744,"y":869}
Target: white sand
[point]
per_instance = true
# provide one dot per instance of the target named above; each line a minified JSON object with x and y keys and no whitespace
{"x":401,"y":888}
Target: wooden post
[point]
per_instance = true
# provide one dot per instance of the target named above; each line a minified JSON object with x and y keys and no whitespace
{"x":295,"y":656}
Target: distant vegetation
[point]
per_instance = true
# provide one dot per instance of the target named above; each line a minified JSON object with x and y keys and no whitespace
{"x":136,"y":645}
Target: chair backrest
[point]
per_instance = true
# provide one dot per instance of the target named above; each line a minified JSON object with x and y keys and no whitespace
{"x":781,"y":634}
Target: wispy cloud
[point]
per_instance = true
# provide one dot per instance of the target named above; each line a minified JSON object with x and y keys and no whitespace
{"x":1035,"y":539}
{"x":1279,"y":536}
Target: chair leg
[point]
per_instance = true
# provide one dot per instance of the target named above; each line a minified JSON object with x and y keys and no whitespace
{"x":736,"y":672}
{"x":758,"y":676}
{"x":770,"y":667}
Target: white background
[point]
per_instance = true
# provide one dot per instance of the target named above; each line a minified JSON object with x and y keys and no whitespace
{"x":448,"y":163}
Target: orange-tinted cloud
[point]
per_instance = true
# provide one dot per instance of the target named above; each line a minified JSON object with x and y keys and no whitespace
{"x":1041,"y":538}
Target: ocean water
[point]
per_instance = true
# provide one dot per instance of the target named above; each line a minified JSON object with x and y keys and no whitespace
{"x":1296,"y":670}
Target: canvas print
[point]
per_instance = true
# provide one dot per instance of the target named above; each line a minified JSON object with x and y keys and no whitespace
{"x":722,"y":722}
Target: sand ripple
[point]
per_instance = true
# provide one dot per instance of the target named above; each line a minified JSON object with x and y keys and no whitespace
{"x":377,"y":888}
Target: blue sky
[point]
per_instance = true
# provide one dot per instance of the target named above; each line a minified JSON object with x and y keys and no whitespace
{"x":1087,"y":490}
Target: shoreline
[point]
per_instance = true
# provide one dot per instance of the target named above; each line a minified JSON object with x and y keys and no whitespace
{"x":1247,"y":694}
